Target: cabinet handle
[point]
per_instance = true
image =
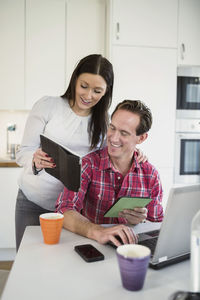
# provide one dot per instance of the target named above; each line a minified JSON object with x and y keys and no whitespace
{"x":182,"y":51}
{"x":117,"y":30}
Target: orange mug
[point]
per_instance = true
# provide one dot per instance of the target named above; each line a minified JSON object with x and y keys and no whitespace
{"x":51,"y":226}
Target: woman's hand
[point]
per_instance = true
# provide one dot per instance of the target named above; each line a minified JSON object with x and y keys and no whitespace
{"x":43,"y":160}
{"x":141,"y":158}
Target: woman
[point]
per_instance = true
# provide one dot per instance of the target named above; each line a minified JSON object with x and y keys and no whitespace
{"x":77,"y":120}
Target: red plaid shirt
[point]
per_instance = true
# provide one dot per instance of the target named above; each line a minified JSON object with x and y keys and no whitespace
{"x":101,"y":186}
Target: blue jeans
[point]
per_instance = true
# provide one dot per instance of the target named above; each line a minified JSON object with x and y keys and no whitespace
{"x":26,"y":214}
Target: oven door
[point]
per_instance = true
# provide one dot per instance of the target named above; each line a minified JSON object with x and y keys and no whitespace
{"x":187,"y":158}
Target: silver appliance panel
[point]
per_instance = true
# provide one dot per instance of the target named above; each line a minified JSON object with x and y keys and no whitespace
{"x":188,"y":125}
{"x":187,"y":151}
{"x":187,"y":114}
{"x":188,"y":71}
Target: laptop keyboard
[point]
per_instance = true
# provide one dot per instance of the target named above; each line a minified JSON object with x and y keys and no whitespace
{"x":153,"y":233}
{"x":150,"y":243}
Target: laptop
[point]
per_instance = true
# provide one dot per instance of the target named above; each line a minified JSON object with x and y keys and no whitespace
{"x":171,"y":244}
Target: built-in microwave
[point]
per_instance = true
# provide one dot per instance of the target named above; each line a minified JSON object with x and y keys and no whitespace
{"x":188,"y":92}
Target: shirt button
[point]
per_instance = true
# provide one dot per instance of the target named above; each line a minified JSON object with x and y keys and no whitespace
{"x":119,"y":177}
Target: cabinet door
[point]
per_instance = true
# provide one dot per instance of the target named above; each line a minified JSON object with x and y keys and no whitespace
{"x":85,"y":31}
{"x":45,"y":49}
{"x":149,"y":74}
{"x":145,"y":22}
{"x":41,"y":42}
{"x":58,"y":34}
{"x":12,"y":54}
{"x":9,"y":188}
{"x":189,"y":32}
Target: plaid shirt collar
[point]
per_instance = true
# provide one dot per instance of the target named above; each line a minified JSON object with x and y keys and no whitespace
{"x":105,"y":162}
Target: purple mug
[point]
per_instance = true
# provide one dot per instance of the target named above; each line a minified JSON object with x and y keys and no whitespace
{"x":133,"y":262}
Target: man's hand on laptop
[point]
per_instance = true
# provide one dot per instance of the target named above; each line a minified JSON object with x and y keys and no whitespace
{"x":115,"y":234}
{"x":134,"y":216}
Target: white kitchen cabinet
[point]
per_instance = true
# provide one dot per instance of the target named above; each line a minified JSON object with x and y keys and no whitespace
{"x":12,"y":54}
{"x":144,"y":23}
{"x":45,"y":49}
{"x":58,"y":34}
{"x":41,"y":42}
{"x":86,"y":31}
{"x":9,"y":189}
{"x":149,"y":74}
{"x":189,"y":32}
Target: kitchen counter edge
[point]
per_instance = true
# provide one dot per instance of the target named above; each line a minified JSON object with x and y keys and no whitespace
{"x":9,"y":164}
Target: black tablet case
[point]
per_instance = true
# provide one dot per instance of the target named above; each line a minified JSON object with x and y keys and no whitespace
{"x":68,"y":165}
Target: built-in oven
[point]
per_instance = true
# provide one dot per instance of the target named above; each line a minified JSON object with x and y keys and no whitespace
{"x":188,"y":92}
{"x":187,"y":151}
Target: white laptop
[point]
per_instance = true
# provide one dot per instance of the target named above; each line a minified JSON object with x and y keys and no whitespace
{"x":173,"y":240}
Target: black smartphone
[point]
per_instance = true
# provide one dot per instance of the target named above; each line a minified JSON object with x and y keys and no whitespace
{"x":89,"y":253}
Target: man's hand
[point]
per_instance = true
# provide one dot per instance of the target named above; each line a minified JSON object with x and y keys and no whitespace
{"x":104,"y":235}
{"x":79,"y":224}
{"x":134,"y":216}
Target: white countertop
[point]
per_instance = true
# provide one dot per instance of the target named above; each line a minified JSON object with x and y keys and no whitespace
{"x":57,"y":272}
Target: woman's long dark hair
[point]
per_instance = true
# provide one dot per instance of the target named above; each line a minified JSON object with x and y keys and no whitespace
{"x":98,"y":65}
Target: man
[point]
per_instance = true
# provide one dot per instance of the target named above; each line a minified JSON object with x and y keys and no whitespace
{"x":111,"y":173}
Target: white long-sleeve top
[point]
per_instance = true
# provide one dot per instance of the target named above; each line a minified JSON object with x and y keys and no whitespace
{"x":53,"y":117}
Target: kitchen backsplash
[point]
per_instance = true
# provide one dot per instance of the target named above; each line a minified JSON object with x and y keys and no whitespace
{"x":8,"y":118}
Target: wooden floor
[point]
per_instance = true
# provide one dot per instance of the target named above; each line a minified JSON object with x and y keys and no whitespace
{"x":5,"y":267}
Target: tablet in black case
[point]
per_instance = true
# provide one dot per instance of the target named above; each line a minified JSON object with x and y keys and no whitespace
{"x":68,"y":165}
